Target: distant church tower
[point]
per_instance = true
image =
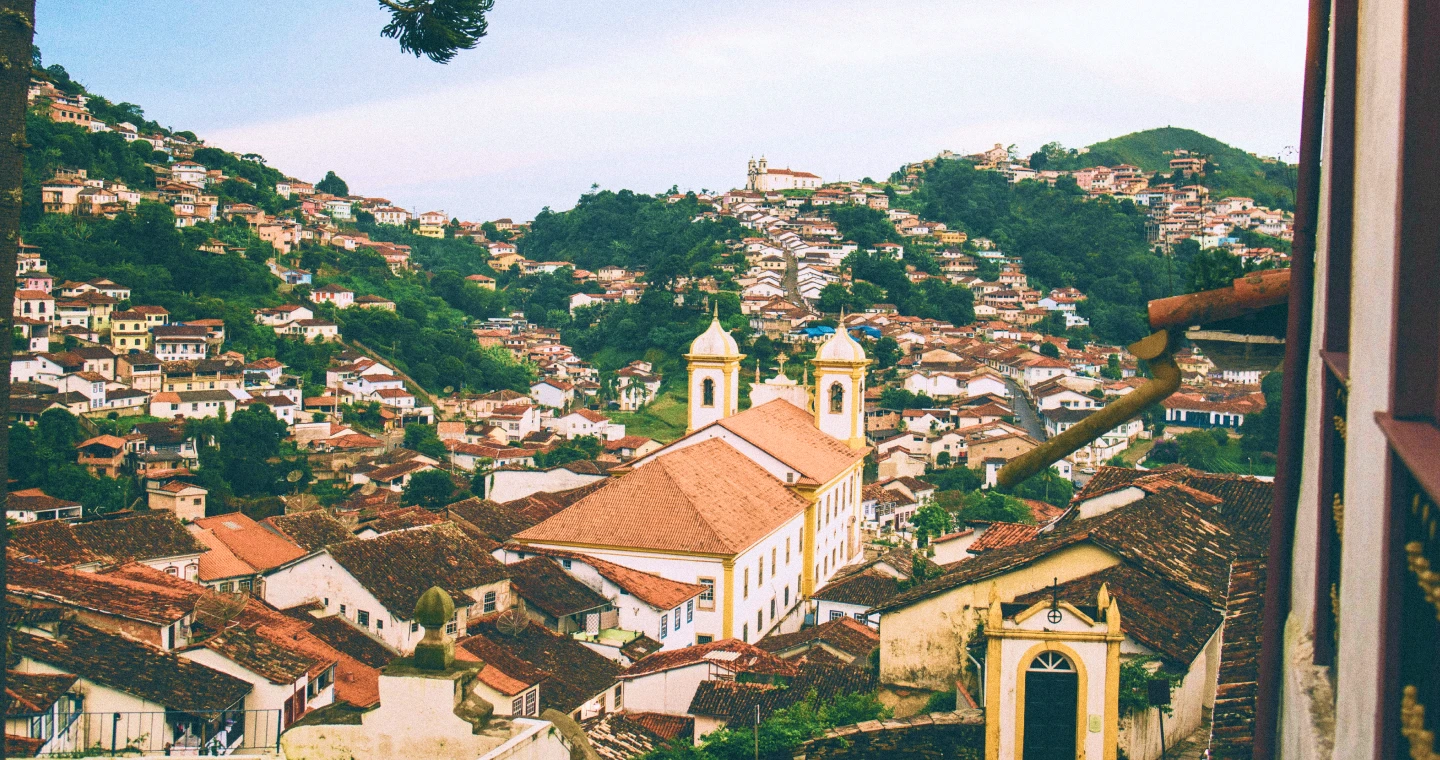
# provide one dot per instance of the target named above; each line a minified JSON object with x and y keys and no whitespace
{"x":752,"y":174}
{"x":840,"y":388}
{"x":713,"y":365}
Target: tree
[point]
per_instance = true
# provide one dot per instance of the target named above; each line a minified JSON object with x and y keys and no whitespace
{"x":1212,"y":268}
{"x":886,"y":352}
{"x":422,"y":438}
{"x":437,"y":29}
{"x":931,"y":520}
{"x":1050,"y":349}
{"x":1198,"y":449}
{"x":1038,"y":159}
{"x":1112,"y":369}
{"x":333,"y":185}
{"x":1048,"y":486}
{"x":1261,"y":432}
{"x":430,"y":489}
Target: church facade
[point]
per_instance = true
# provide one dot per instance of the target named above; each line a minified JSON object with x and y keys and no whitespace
{"x":760,"y":178}
{"x":761,"y":506}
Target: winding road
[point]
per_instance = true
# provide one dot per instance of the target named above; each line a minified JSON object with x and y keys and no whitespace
{"x":1025,"y":412}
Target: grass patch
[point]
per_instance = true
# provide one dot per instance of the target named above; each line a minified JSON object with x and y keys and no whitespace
{"x":1232,"y":459}
{"x":663,"y":419}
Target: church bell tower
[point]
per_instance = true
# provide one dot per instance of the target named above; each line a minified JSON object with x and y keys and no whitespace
{"x":840,"y":388}
{"x":713,"y":366}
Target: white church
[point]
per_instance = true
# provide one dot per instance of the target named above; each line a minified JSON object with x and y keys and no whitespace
{"x":760,"y":507}
{"x":760,"y":178}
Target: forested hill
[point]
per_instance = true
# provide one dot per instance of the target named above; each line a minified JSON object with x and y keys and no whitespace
{"x":1229,"y":170}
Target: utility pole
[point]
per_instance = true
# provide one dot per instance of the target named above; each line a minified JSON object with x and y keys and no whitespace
{"x":757,"y":732}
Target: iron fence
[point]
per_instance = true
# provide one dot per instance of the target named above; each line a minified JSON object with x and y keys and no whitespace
{"x":199,"y":732}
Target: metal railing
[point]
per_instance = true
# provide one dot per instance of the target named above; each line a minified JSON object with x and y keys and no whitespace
{"x":201,"y":732}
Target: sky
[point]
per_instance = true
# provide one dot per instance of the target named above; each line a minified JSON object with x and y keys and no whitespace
{"x":648,"y":94}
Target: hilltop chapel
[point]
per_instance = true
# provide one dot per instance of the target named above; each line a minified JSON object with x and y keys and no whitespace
{"x":759,"y":507}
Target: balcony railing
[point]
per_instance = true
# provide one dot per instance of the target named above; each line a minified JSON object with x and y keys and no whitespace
{"x":201,"y":732}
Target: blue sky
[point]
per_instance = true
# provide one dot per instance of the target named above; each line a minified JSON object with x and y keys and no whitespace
{"x":646,"y":94}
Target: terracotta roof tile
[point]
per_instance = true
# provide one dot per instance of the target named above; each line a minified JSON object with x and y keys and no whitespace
{"x":845,"y":634}
{"x":309,"y":530}
{"x":1002,"y":534}
{"x":574,"y":673}
{"x":706,"y":498}
{"x":541,"y":582}
{"x":750,"y":659}
{"x":134,"y":668}
{"x":50,"y":541}
{"x":788,"y":433}
{"x":398,"y":567}
{"x":867,"y":588}
{"x":617,"y":737}
{"x":143,"y":536}
{"x":495,"y":520}
{"x":251,"y":542}
{"x":736,"y":702}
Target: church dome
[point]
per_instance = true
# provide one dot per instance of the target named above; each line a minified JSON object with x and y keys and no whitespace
{"x":841,"y":348}
{"x":715,"y":342}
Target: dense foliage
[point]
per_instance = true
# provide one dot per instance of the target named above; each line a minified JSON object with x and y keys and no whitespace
{"x":633,"y":231}
{"x":780,"y":734}
{"x":1064,"y":237}
{"x":1229,"y":171}
{"x":44,"y":458}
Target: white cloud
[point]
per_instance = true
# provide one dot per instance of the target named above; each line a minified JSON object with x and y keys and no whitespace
{"x":842,"y":88}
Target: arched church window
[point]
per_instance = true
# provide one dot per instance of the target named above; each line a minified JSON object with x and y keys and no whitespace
{"x":707,"y":392}
{"x":837,"y":398}
{"x":1052,"y":662}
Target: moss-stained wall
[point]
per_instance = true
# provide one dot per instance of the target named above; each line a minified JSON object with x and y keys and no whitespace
{"x":923,"y":645}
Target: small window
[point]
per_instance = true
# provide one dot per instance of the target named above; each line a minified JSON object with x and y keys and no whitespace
{"x":745,"y":589}
{"x":619,"y":697}
{"x":664,"y":626}
{"x":772,"y":608}
{"x":414,"y":627}
{"x":703,"y":638}
{"x":773,"y":554}
{"x":787,"y":596}
{"x":379,"y":624}
{"x":342,"y":609}
{"x":760,"y":570}
{"x":517,"y":707}
{"x":707,"y":392}
{"x":837,"y":398}
{"x":531,"y":697}
{"x":676,"y":613}
{"x":707,"y":597}
{"x":451,"y":627}
{"x":246,"y":585}
{"x":836,"y":614}
{"x":565,"y":563}
{"x":745,"y":632}
{"x":225,"y":587}
{"x":690,"y":611}
{"x":489,"y":603}
{"x":787,"y":551}
{"x":363,"y":618}
{"x":759,"y":621}
{"x":860,"y":617}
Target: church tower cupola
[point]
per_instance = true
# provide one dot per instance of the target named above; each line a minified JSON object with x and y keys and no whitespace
{"x":713,"y":365}
{"x":840,"y":388}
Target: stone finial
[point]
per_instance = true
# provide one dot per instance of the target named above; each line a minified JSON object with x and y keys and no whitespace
{"x":1112,"y":617}
{"x":1102,"y":600}
{"x":436,"y":651}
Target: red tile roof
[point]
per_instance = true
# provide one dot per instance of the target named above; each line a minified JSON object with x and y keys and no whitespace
{"x":706,"y":498}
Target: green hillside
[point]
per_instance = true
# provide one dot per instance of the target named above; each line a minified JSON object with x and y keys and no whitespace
{"x":1230,"y":170}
